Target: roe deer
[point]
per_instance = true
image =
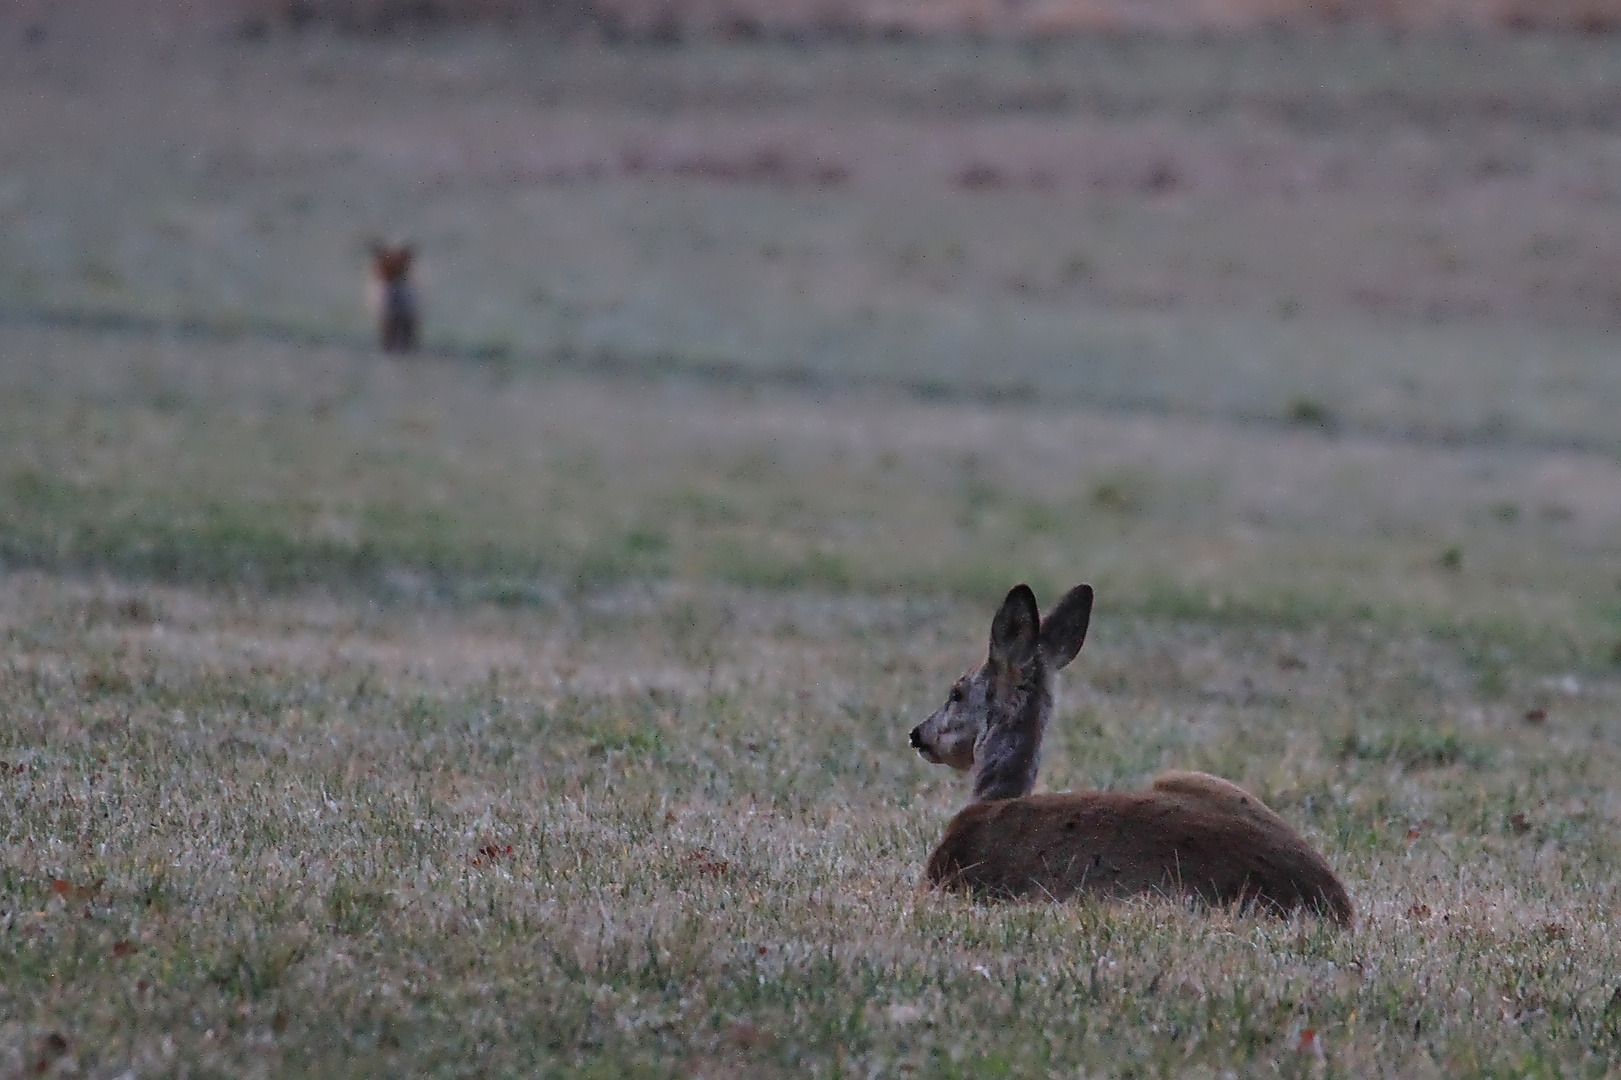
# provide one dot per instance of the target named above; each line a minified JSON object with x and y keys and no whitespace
{"x":1188,"y":833}
{"x":394,"y":296}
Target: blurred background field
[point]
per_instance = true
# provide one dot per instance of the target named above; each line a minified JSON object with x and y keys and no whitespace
{"x":538,"y":703}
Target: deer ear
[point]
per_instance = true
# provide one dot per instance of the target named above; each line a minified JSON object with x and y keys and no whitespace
{"x":1016,"y":630}
{"x":1063,"y":631}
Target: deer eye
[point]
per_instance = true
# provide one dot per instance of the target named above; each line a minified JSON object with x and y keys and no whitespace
{"x":955,"y":695}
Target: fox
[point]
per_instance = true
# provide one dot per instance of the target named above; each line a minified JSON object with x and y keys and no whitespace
{"x":1188,"y":834}
{"x":394,"y":297}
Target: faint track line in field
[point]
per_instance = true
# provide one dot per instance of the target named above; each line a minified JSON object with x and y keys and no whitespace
{"x":608,"y":362}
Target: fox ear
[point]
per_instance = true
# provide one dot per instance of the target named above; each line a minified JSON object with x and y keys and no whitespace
{"x":1063,"y":631}
{"x":1016,"y":630}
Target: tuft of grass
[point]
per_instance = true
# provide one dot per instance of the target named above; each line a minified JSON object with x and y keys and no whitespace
{"x":1120,"y":494}
{"x":1414,"y":746}
{"x":1309,"y":412}
{"x":352,"y":909}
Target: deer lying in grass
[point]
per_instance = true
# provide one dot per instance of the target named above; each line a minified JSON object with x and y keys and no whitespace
{"x":394,"y":297}
{"x":1188,"y":833}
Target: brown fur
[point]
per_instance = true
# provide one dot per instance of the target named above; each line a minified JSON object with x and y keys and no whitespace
{"x":1188,"y":834}
{"x":398,"y":319}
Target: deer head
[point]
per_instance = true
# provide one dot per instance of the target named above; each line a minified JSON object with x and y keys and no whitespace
{"x":993,"y":718}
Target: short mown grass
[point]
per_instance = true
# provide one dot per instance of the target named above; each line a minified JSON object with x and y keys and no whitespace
{"x":451,"y":730}
{"x":318,"y":838}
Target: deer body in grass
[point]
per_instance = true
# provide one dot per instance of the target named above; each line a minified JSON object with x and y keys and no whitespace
{"x":1186,"y":834}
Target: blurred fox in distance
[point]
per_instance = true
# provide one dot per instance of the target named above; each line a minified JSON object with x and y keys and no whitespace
{"x":393,"y":297}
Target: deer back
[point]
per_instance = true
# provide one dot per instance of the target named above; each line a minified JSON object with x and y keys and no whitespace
{"x":1188,"y":834}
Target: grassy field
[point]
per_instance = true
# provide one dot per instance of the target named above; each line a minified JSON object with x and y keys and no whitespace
{"x":539,"y":705}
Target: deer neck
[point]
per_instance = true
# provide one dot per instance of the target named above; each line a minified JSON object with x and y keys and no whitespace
{"x":1009,"y":752}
